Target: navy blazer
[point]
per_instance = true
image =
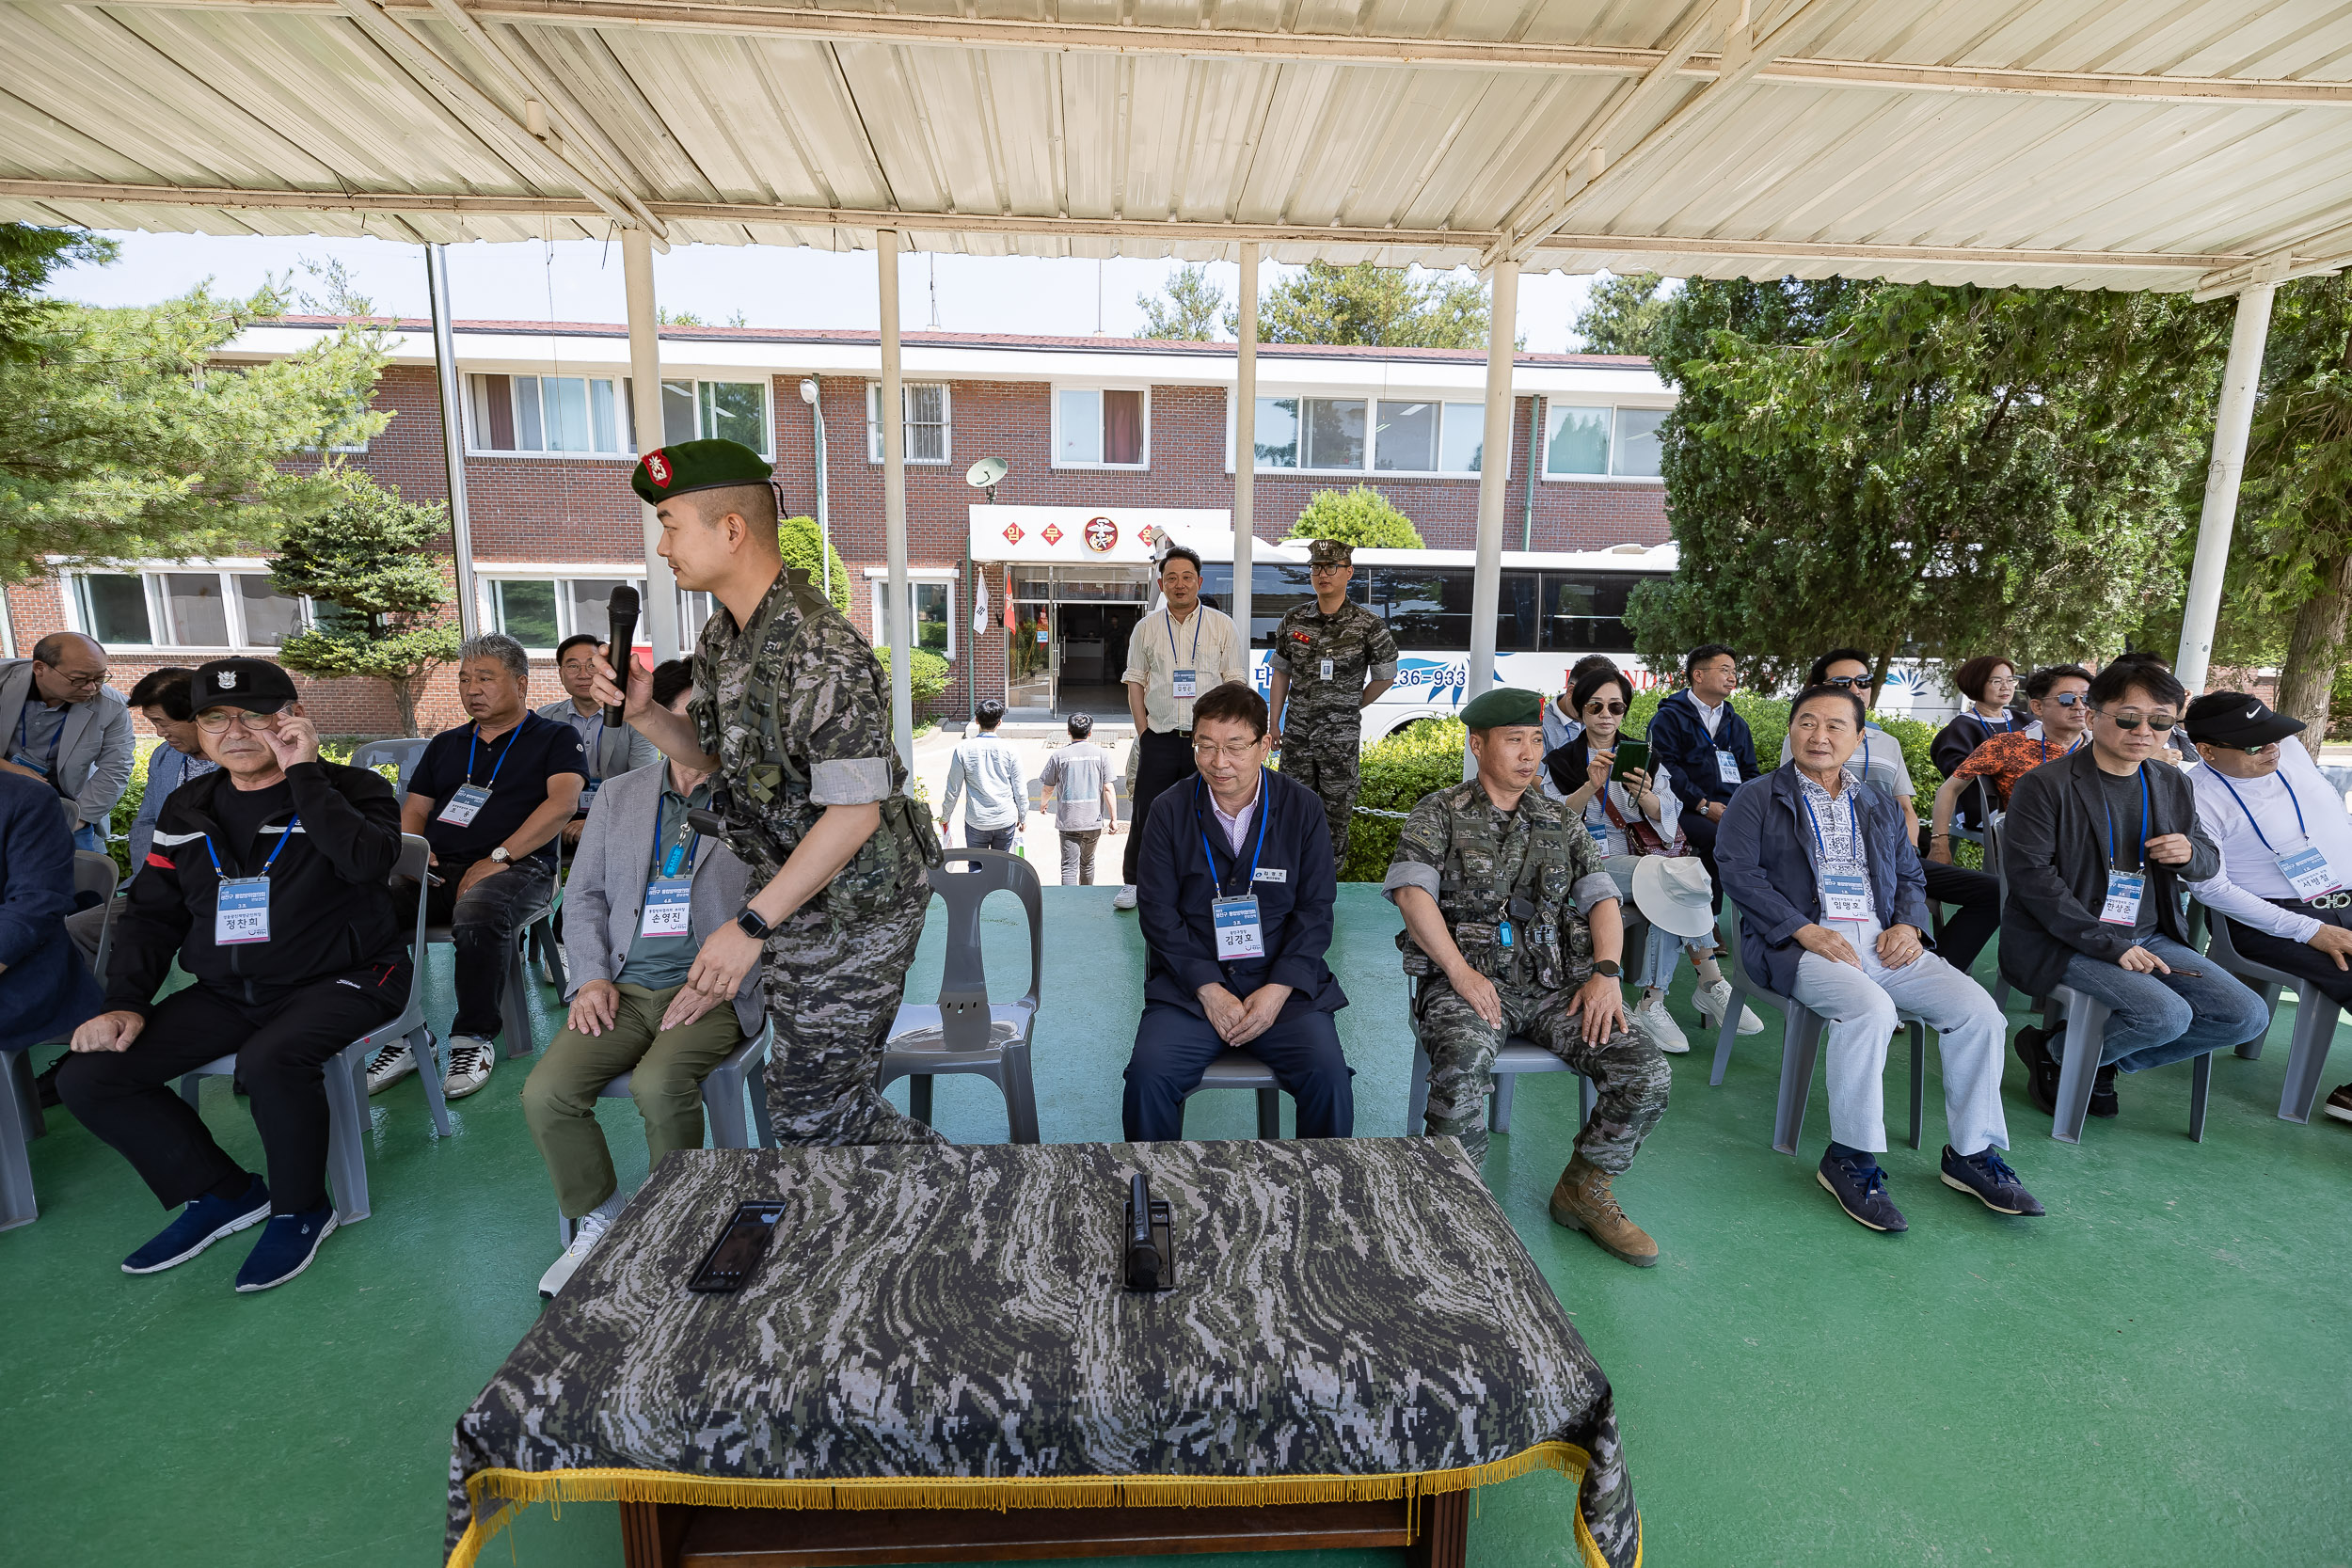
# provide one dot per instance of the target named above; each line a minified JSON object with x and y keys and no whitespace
{"x":46,"y":989}
{"x":1296,"y":887}
{"x":1762,"y":848}
{"x":1678,"y":740}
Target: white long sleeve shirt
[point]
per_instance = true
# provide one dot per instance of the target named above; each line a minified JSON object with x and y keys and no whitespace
{"x":2249,"y":871}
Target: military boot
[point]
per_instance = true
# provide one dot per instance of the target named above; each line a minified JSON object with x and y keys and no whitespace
{"x":1583,"y":1201}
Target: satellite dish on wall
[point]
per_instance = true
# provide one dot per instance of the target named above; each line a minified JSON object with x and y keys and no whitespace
{"x":984,"y":474}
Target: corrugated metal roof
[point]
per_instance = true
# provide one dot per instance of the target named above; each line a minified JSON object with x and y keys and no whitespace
{"x":2087,"y":143}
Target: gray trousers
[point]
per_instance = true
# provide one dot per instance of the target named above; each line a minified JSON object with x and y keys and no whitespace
{"x":85,"y":927}
{"x":1077,"y":856}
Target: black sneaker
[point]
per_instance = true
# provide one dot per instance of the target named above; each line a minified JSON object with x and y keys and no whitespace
{"x":204,"y":1221}
{"x":287,"y":1246}
{"x":1987,"y":1178}
{"x":1861,"y":1191}
{"x":2041,"y":1074}
{"x":2339,"y":1104}
{"x":45,"y":1086}
{"x":2103,"y":1100}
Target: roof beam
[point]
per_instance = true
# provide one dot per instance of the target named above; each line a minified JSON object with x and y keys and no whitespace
{"x":2315,"y":256}
{"x":977,"y":32}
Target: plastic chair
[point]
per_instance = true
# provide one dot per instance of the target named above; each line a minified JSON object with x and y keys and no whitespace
{"x":1517,"y":1058}
{"x":2315,"y":1015}
{"x":1239,"y":1070}
{"x":20,"y":1124}
{"x":96,"y":872}
{"x":347,"y":1073}
{"x":402,"y":752}
{"x":2086,"y":1019}
{"x":744,"y":1071}
{"x":535,"y":939}
{"x":964,"y":1032}
{"x":1801,"y":1048}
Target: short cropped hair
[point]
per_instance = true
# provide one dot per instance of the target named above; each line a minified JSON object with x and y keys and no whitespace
{"x":1231,"y":701}
{"x":670,"y":677}
{"x":1844,"y":693}
{"x":754,"y":503}
{"x":1593,"y":680}
{"x":2120,"y":678}
{"x":2038,"y":685}
{"x":1703,"y":652}
{"x":1819,"y":674}
{"x":1081,"y":725}
{"x":573,"y":642}
{"x":169,"y":688}
{"x":1973,"y":674}
{"x":991,"y":713}
{"x":1182,"y":552}
{"x":497,"y":645}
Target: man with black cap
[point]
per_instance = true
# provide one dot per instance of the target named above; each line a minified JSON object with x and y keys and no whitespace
{"x":266,"y":880}
{"x":1331,"y":658}
{"x":2285,"y":881}
{"x":1513,"y":927}
{"x":792,"y":714}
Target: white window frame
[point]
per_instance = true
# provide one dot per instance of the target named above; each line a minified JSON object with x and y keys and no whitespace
{"x":878,"y":594}
{"x":1372,"y":398}
{"x":623,"y":419}
{"x":1613,"y":407}
{"x":558,"y":572}
{"x":73,"y":601}
{"x":1054,"y":404}
{"x":767,"y":384}
{"x":947,"y":423}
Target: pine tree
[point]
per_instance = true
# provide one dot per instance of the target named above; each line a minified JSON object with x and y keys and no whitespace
{"x":371,"y":563}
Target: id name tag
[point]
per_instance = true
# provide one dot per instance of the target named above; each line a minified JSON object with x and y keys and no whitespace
{"x":1182,"y":686}
{"x":1726,"y":766}
{"x":668,"y":906}
{"x":2306,"y":871}
{"x":2122,"y":905}
{"x":1326,"y":669}
{"x":588,"y":792}
{"x":1238,"y":933}
{"x":465,"y":805}
{"x":1846,"y":896}
{"x":242,"y":915}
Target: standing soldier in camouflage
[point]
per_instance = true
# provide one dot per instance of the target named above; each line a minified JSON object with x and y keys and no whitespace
{"x":1512,"y":926}
{"x":1331,"y":659}
{"x":791,"y":712}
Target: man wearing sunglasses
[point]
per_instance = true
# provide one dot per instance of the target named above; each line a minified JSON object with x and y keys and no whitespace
{"x":2059,"y":698}
{"x":61,"y":723}
{"x":2097,"y":847}
{"x":2286,"y":882}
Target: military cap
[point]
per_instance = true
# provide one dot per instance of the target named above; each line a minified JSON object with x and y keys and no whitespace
{"x":691,"y":466}
{"x":1502,"y":708}
{"x":1330,"y":552}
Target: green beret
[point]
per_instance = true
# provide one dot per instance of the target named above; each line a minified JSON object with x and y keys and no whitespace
{"x":690,"y":466}
{"x":1502,"y":708}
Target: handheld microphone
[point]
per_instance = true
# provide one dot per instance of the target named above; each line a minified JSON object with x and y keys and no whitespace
{"x":623,"y":612}
{"x":1143,"y":1257}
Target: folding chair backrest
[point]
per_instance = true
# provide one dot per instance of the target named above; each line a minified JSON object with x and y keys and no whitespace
{"x":415,"y":860}
{"x":95,"y":871}
{"x":402,"y":752}
{"x":963,"y":976}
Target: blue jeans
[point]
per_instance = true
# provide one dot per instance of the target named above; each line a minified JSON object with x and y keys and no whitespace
{"x":1174,"y":1046}
{"x":990,"y":838}
{"x":2167,"y":1018}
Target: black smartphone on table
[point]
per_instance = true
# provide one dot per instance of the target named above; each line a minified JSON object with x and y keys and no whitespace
{"x":1630,"y":756}
{"x":739,"y":1249}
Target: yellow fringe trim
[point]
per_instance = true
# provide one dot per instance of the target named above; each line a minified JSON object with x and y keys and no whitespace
{"x":517,"y":1489}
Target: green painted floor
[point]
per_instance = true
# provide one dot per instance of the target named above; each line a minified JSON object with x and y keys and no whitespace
{"x":2157,"y":1372}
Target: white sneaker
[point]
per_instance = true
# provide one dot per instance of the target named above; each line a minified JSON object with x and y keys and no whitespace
{"x":591,"y":1231}
{"x":1126,"y":900}
{"x":470,"y":1063}
{"x":392,"y":1063}
{"x":1712,"y":1001}
{"x":1655,"y":1024}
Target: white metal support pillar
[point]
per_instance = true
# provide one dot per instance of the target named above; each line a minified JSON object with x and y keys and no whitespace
{"x":1246,"y":447}
{"x":644,"y":386}
{"x":453,"y":438}
{"x":2230,"y":423}
{"x":893,"y":623}
{"x":1494,"y":479}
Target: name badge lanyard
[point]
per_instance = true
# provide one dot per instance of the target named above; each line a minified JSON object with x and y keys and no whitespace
{"x":2305,"y":869}
{"x":1181,"y":682}
{"x":241,"y":905}
{"x":2008,"y":725}
{"x":2126,"y":888}
{"x":465,"y":802}
{"x":1239,"y":932}
{"x":1844,"y":895}
{"x":595,"y":749}
{"x":669,"y":897}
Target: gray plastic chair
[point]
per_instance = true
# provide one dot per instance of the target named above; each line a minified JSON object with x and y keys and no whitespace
{"x":2315,"y":1015}
{"x":401,"y":751}
{"x":964,"y":1032}
{"x":1239,"y":1070}
{"x":534,"y":939}
{"x":743,"y":1071}
{"x":21,"y":1121}
{"x":347,"y":1073}
{"x":1517,"y":1058}
{"x":95,"y":871}
{"x":2086,"y":1019}
{"x":1801,"y":1048}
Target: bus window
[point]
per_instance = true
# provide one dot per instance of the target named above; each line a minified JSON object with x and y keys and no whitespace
{"x":1584,"y":613}
{"x":1428,"y":608}
{"x":1275,"y":589}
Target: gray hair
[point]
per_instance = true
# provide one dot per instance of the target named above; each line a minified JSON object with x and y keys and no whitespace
{"x":497,"y":645}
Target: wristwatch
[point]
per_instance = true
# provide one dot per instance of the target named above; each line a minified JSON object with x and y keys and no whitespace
{"x":501,"y":856}
{"x":752,"y":926}
{"x":1609,"y":967}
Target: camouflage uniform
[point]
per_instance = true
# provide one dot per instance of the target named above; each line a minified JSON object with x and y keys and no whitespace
{"x":1322,"y":735}
{"x":797,"y":710}
{"x":1509,"y":886}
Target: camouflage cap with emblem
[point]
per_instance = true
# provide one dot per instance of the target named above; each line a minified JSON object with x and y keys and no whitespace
{"x":1330,"y":552}
{"x":691,"y":466}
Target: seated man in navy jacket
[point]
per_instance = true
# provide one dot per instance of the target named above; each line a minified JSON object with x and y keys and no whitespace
{"x":1235,"y":885}
{"x":1699,"y":738}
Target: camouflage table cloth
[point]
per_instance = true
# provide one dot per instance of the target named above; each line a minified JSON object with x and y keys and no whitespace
{"x":944,"y":1327}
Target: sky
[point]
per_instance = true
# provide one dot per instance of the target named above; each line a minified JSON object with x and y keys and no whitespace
{"x":580,"y":280}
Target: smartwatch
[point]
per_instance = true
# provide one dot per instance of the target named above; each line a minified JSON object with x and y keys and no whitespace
{"x":752,"y":926}
{"x":1609,"y":967}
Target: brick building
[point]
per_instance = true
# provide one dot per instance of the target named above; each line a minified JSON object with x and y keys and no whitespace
{"x":1091,"y":428}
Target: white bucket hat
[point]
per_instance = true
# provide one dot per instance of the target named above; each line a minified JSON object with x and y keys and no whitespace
{"x":1674,"y":895}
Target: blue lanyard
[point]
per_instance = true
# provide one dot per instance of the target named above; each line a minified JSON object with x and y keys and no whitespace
{"x":595,"y":744}
{"x":1854,"y":826}
{"x":685,"y":848}
{"x":2008,"y":722}
{"x":2044,"y":740}
{"x":2300,"y":824}
{"x":292,"y":823}
{"x":2145,"y":809}
{"x":475,"y":739}
{"x":1204,"y":834}
{"x":1168,"y":624}
{"x":24,"y":717}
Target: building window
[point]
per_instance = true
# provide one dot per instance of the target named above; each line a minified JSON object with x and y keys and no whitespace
{"x":201,"y":607}
{"x":540,"y":612}
{"x":933,"y":594}
{"x":928,"y":428}
{"x":716,"y":410}
{"x":1101,"y":428}
{"x":1391,"y":436}
{"x":1637,"y":443}
{"x":585,"y":415}
{"x":1585,"y":442}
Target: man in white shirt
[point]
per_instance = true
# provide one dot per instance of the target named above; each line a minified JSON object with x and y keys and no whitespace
{"x":1177,"y":653}
{"x":989,"y":769}
{"x":2285,"y":881}
{"x":1078,"y":788}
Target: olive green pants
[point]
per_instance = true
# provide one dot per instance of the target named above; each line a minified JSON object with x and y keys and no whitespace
{"x":666,"y":1069}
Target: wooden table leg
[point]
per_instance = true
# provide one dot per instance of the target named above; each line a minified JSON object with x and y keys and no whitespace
{"x":1444,"y":1538}
{"x":651,"y":1534}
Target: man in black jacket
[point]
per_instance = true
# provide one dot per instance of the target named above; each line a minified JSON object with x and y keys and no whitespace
{"x":1707,"y":751}
{"x":266,"y":880}
{"x":2096,"y":847}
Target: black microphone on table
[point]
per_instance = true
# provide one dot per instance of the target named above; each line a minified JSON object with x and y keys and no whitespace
{"x":623,"y":610}
{"x":1143,"y":1256}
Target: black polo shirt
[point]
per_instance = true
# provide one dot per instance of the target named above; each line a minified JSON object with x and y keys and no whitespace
{"x":516,"y":767}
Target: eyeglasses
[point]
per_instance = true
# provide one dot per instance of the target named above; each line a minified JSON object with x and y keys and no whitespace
{"x":213,"y":720}
{"x":84,"y":682}
{"x":2132,"y":721}
{"x":1610,"y":708}
{"x":1319,"y":566}
{"x":1239,"y":750}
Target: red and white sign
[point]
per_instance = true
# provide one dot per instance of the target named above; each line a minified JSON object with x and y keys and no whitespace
{"x":1092,"y":535}
{"x":1101,"y":534}
{"x":1051,"y":533}
{"x":1012,"y":534}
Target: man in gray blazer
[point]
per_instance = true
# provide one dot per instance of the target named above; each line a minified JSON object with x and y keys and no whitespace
{"x":645,"y":891}
{"x":611,"y":750}
{"x":61,"y":723}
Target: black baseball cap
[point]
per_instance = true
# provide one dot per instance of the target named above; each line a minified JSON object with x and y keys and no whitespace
{"x":254,"y":685}
{"x":2234,"y":718}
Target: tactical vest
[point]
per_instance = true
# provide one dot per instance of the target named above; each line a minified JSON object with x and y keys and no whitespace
{"x":1505,"y":909}
{"x":773,"y":810}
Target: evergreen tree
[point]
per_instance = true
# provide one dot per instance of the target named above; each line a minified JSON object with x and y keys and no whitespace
{"x":1362,"y":517}
{"x":371,"y":564}
{"x":798,"y":540}
{"x":1621,"y":314}
{"x":1189,"y":311}
{"x":1382,"y":307}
